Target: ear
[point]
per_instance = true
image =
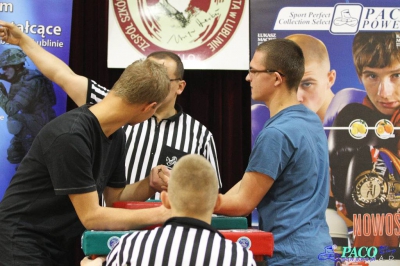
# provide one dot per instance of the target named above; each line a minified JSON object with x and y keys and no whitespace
{"x":182,"y":85}
{"x":278,"y":79}
{"x":331,"y":77}
{"x":165,"y":199}
{"x":149,"y":107}
{"x":218,"y":202}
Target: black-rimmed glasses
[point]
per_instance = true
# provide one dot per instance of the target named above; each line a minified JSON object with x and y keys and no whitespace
{"x":253,"y":71}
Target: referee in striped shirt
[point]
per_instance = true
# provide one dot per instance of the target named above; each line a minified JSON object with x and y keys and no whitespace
{"x":162,"y":139}
{"x":187,"y":238}
{"x":156,"y":143}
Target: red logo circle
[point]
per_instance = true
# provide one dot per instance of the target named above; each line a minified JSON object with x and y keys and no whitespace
{"x":194,"y":29}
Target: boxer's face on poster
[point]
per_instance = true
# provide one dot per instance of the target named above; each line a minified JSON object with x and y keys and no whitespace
{"x":383,"y":87}
{"x":9,"y":71}
{"x":315,"y":85}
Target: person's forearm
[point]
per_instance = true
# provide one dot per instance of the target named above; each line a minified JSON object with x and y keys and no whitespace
{"x":233,"y":205}
{"x":139,"y":191}
{"x":50,"y":66}
{"x":56,"y":70}
{"x":234,"y":189}
{"x":118,"y":219}
{"x":95,"y":217}
{"x":46,"y":62}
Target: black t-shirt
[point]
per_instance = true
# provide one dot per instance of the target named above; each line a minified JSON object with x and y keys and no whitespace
{"x":71,"y":155}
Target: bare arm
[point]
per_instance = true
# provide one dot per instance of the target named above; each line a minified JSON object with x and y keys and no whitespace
{"x":138,"y":191}
{"x":243,"y":197}
{"x":95,"y":262}
{"x":50,"y":66}
{"x":95,"y":217}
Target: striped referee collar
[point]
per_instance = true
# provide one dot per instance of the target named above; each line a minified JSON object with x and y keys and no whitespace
{"x":191,"y":222}
{"x":179,"y":112}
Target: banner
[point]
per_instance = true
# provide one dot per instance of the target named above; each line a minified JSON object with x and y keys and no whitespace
{"x":30,"y":100}
{"x":206,"y":34}
{"x":361,"y":121}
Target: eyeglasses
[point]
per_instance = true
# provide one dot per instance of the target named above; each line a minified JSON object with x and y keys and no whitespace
{"x":253,"y":71}
{"x":175,"y":79}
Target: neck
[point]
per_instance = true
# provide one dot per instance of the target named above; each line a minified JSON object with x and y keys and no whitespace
{"x":166,"y":110}
{"x":113,"y":113}
{"x":282,"y":100}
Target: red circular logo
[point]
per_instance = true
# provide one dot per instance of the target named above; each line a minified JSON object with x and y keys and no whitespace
{"x":194,"y":29}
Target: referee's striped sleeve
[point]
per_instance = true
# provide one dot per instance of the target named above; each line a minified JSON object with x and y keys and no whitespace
{"x":95,"y":92}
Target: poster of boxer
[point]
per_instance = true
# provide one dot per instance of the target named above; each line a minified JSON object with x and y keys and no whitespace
{"x":352,"y":82}
{"x":204,"y":33}
{"x":28,"y":100}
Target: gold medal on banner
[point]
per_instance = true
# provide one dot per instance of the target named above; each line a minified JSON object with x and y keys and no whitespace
{"x":370,"y":189}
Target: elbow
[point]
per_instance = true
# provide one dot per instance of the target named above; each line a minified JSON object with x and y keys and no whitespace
{"x":245,"y":210}
{"x":90,"y":224}
{"x":92,"y":221}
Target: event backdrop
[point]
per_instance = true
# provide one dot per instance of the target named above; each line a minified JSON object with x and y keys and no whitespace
{"x":206,"y":34}
{"x":48,"y":22}
{"x":363,"y":154}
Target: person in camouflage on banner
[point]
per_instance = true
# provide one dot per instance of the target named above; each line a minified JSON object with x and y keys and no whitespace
{"x":28,"y":104}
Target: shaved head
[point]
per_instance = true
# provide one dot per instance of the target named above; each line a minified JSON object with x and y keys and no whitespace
{"x":314,"y":50}
{"x":193,"y":187}
{"x":315,"y":87}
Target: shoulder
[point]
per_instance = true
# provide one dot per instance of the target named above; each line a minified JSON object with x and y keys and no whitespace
{"x":348,"y":95}
{"x":194,"y":122}
{"x":342,"y":99}
{"x":355,"y":110}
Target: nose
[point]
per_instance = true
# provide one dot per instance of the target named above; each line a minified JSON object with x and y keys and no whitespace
{"x":386,"y":88}
{"x":299,"y":95}
{"x":247,"y":77}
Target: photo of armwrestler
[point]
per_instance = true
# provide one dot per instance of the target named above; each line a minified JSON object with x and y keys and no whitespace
{"x":365,"y":170}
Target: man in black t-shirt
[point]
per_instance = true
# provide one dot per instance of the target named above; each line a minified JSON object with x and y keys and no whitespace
{"x":78,"y":156}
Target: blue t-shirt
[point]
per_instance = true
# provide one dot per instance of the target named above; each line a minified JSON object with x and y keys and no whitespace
{"x":292,"y":149}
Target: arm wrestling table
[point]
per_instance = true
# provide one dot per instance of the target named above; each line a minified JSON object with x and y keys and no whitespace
{"x":100,"y":243}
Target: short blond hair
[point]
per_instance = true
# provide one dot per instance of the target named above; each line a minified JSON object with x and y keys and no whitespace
{"x":144,"y":81}
{"x":193,"y":186}
{"x":314,"y":50}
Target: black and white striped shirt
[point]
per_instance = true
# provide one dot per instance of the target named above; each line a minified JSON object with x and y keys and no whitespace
{"x":180,"y":241}
{"x":149,"y":144}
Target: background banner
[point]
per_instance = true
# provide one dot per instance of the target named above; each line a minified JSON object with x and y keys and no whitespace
{"x":48,"y":22}
{"x":361,"y":122}
{"x":206,"y":34}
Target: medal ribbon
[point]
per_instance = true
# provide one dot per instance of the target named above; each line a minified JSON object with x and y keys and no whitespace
{"x":395,"y":161}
